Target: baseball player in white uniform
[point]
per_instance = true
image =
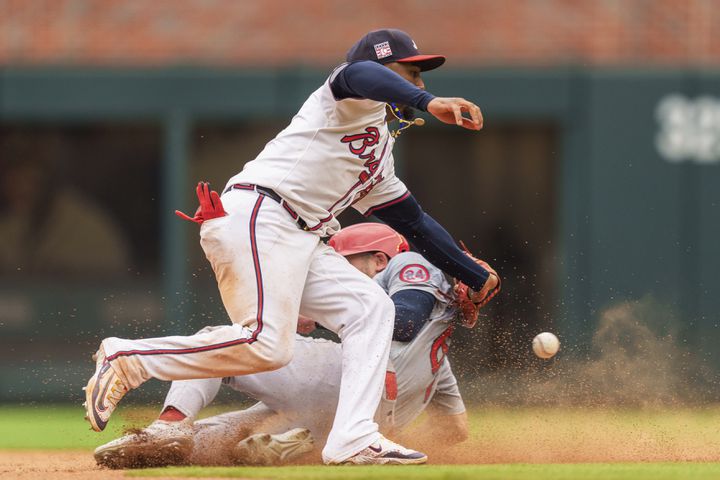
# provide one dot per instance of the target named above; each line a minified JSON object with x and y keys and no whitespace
{"x":301,"y":397}
{"x":270,"y":263}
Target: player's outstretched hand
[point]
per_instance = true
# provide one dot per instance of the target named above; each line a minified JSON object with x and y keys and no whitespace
{"x":210,"y":205}
{"x":450,"y":110}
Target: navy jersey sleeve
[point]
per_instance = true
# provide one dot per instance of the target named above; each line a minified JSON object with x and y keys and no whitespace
{"x":412,"y":309}
{"x":432,"y":241}
{"x":373,"y":81}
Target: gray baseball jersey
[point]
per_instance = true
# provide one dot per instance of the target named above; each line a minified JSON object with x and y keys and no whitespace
{"x":422,"y":369}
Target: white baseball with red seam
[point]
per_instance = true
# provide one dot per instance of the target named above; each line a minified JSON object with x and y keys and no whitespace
{"x":545,"y":345}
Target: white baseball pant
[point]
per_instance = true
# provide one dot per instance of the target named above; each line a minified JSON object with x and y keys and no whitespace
{"x":268,"y":271}
{"x":304,"y":392}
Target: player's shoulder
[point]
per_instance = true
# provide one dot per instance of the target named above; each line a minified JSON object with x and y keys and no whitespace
{"x":411,"y":266}
{"x":336,"y":71}
{"x":411,"y":270}
{"x":355,"y":105}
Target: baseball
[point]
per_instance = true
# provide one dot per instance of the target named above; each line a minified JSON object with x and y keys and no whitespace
{"x":545,"y":345}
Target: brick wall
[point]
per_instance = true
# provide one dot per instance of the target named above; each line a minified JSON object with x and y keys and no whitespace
{"x":317,"y":32}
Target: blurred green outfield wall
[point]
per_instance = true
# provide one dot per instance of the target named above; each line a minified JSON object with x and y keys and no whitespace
{"x":638,"y":210}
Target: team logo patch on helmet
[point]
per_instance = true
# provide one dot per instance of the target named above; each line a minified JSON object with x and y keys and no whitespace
{"x":382,"y":50}
{"x":414,"y":273}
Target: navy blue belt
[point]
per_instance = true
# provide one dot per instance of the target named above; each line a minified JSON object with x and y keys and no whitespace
{"x":273,"y":195}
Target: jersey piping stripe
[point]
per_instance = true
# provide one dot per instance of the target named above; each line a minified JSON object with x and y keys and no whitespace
{"x":292,"y":212}
{"x":322,"y":221}
{"x":358,"y":183}
{"x":231,"y":343}
{"x":387,"y":204}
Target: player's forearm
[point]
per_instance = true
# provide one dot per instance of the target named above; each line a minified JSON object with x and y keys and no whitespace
{"x":376,"y":82}
{"x":432,"y":241}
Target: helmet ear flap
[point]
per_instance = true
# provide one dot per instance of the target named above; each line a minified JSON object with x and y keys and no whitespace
{"x":403,"y":246}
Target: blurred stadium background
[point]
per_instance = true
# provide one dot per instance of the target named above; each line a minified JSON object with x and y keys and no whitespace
{"x":596,"y":179}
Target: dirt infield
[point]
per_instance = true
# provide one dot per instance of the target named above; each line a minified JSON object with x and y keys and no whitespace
{"x":547,"y":437}
{"x":56,"y":465}
{"x":51,"y":465}
{"x":580,"y":435}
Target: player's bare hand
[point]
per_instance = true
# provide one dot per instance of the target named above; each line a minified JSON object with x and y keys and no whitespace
{"x":305,"y":325}
{"x":454,"y":110}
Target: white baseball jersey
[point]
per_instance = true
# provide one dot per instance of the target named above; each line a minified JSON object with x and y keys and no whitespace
{"x":334,"y":154}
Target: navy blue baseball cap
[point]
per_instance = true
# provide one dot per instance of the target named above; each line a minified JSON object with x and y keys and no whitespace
{"x":391,"y":45}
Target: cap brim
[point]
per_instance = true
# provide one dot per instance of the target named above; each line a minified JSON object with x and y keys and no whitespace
{"x":425,"y":62}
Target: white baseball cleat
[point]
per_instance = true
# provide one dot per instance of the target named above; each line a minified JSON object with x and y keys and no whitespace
{"x":266,"y":449}
{"x":159,"y":444}
{"x":102,"y":393}
{"x":385,"y":452}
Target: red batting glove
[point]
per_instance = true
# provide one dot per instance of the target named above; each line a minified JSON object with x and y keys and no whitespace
{"x":210,"y":205}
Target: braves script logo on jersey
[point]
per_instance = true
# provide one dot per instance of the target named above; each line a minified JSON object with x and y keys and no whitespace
{"x":414,"y":273}
{"x":360,"y":144}
{"x":382,"y":50}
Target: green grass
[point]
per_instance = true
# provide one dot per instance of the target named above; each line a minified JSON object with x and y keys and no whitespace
{"x":599,"y":471}
{"x":63,"y":426}
{"x":50,"y":427}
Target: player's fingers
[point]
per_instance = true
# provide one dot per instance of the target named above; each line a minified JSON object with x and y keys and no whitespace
{"x":469,"y":124}
{"x":474,"y":112}
{"x":458,"y":114}
{"x":476,"y":115}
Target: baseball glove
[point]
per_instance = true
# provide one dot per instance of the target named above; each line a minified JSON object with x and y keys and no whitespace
{"x":210,"y":205}
{"x":469,"y":302}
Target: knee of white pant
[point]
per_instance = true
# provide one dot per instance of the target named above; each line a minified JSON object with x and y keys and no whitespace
{"x":275,"y":355}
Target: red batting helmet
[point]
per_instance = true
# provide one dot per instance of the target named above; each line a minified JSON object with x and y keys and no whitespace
{"x":368,"y":237}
